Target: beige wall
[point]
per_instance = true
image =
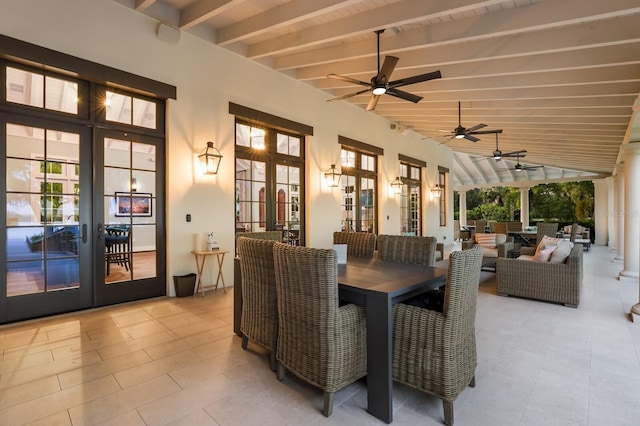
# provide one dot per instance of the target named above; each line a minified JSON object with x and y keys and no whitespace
{"x":207,"y":79}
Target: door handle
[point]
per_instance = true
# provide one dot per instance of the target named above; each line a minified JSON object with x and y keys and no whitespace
{"x":84,"y":233}
{"x":100,"y":231}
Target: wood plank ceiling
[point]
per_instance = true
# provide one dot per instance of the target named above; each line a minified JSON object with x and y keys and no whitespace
{"x":561,"y":78}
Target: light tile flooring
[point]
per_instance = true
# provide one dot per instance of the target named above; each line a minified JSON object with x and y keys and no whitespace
{"x":177,"y":361}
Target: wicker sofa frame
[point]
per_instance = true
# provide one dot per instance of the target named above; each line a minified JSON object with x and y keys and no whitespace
{"x":552,"y":282}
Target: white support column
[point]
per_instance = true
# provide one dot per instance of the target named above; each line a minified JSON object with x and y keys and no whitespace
{"x":463,"y":207}
{"x":619,"y":213}
{"x":600,"y":216}
{"x":611,"y":207}
{"x":524,"y":206}
{"x":631,"y":211}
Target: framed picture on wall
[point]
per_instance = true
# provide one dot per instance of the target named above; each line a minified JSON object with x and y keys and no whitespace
{"x":133,"y":204}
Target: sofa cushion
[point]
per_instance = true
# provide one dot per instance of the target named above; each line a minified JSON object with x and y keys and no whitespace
{"x":561,"y":254}
{"x":500,"y":239}
{"x":487,"y":241}
{"x":545,"y":254}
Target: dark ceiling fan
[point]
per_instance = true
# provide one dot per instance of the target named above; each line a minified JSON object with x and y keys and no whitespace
{"x":461,"y":132}
{"x":380,"y":84}
{"x":498,"y":155}
{"x":519,"y":167}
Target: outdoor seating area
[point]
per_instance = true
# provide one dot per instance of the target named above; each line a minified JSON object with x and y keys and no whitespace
{"x":294,"y":212}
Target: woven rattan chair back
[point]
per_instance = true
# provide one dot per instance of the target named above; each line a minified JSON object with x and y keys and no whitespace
{"x":359,"y":244}
{"x":259,"y":318}
{"x":318,"y":340}
{"x":435,"y":352}
{"x":404,"y":249}
{"x":548,"y":229}
{"x":574,"y":233}
{"x":501,"y":228}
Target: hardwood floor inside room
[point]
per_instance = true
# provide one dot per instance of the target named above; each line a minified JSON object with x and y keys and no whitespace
{"x":176,"y":361}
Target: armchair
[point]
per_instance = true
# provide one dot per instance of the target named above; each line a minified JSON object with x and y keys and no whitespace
{"x":435,"y":352}
{"x":321,"y":342}
{"x":259,"y":320}
{"x":502,"y":244}
{"x":359,"y":244}
{"x":401,"y":249}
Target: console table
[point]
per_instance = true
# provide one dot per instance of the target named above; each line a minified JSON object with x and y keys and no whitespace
{"x":201,"y":257}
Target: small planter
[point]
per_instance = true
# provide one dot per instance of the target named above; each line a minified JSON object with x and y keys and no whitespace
{"x":184,"y":284}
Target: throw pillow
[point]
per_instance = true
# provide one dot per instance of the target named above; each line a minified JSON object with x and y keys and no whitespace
{"x":547,"y":241}
{"x":545,"y":254}
{"x":486,"y":240}
{"x":562,"y":252}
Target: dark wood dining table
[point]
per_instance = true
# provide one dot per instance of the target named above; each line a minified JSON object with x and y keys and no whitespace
{"x":377,"y":285}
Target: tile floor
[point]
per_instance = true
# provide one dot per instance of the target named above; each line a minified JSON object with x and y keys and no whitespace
{"x":177,"y":361}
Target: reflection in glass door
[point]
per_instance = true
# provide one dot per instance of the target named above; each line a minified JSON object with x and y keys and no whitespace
{"x":46,"y":225}
{"x":128,"y":227}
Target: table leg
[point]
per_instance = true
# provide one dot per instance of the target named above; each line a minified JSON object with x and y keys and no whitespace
{"x":200,"y":267}
{"x":220,"y":262}
{"x":379,"y":361}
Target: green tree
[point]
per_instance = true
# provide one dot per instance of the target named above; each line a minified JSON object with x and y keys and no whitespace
{"x":563,"y":202}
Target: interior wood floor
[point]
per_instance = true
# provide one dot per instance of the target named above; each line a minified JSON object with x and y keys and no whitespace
{"x":176,"y":361}
{"x":29,"y":282}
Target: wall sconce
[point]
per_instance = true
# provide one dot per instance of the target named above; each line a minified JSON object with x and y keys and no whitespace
{"x":396,"y":185}
{"x":210,"y":159}
{"x":332,"y":176}
{"x":134,"y":184}
{"x":436,"y":191}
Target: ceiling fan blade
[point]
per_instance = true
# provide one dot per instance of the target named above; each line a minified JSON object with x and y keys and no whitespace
{"x":373,"y":101}
{"x":350,"y":95}
{"x":521,"y":153}
{"x":471,"y":138}
{"x":415,"y":79}
{"x":403,"y":95}
{"x":348,"y":79}
{"x":476,"y":127}
{"x":532,"y":167}
{"x":387,"y":68}
{"x":484,"y":132}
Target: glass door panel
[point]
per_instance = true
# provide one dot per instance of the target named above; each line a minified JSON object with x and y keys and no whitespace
{"x":129,"y":227}
{"x":45,"y":252}
{"x":42,"y":189}
{"x":128,"y":215}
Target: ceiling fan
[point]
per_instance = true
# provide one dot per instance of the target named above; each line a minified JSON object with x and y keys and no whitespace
{"x":519,"y":167}
{"x":461,"y":132}
{"x":498,"y":155}
{"x":380,"y":84}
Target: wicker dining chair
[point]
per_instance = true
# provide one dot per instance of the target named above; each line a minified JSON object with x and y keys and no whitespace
{"x":259,"y":318}
{"x":548,"y":229}
{"x":435,"y":352}
{"x":574,"y":233}
{"x":319,"y":341}
{"x":405,"y":249}
{"x":359,"y":244}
